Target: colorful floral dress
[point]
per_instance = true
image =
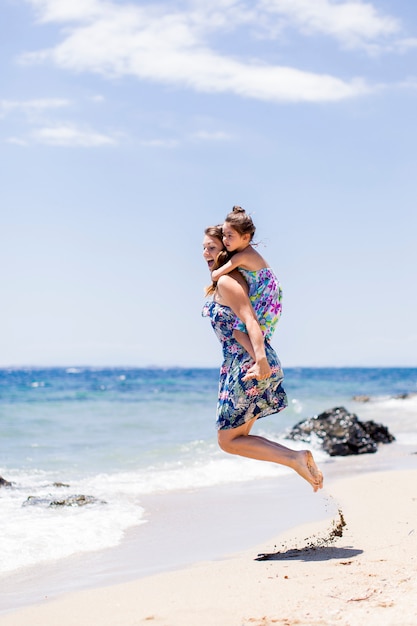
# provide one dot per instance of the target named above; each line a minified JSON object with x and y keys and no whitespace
{"x":240,"y":401}
{"x":265,"y":294}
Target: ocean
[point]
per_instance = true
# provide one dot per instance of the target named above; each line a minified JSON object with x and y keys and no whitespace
{"x":116,"y":435}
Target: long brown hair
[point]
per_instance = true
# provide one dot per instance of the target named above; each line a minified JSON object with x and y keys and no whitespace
{"x":223,"y":256}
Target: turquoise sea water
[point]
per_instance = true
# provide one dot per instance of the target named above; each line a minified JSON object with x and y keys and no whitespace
{"x":118,"y":434}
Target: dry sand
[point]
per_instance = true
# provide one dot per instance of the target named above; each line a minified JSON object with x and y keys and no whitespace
{"x":361,"y":573}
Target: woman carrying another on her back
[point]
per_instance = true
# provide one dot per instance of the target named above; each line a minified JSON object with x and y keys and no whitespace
{"x":250,"y":377}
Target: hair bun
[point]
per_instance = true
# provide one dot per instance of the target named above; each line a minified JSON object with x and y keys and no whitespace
{"x":240,"y":221}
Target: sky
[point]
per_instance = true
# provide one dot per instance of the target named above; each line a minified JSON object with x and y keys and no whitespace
{"x":127,"y":127}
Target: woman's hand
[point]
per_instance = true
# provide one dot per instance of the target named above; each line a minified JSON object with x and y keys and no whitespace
{"x":259,"y":370}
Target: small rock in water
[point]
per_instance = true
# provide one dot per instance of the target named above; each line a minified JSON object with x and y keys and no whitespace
{"x":4,"y":482}
{"x":404,"y":396}
{"x":361,"y":398}
{"x":76,"y":500}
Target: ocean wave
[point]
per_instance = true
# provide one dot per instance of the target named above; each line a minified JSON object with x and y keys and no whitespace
{"x":398,"y":414}
{"x":40,"y":533}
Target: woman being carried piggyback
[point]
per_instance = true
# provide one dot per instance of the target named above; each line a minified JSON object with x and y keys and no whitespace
{"x":265,"y":291}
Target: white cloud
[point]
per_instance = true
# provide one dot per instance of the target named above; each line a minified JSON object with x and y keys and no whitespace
{"x":31,"y":106}
{"x":68,"y":135}
{"x":98,"y":98}
{"x":201,"y":135}
{"x":161,"y":43}
{"x":409,"y":43}
{"x":160,"y":143}
{"x":167,"y":48}
{"x":206,"y":135}
{"x":67,"y":10}
{"x":409,"y":83}
{"x":353,"y":23}
{"x":17,"y":141}
{"x":59,"y":134}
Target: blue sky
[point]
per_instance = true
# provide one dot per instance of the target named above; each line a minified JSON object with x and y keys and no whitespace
{"x":127,"y":127}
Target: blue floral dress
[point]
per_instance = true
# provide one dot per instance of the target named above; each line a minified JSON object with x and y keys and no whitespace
{"x":240,"y":401}
{"x":265,"y":294}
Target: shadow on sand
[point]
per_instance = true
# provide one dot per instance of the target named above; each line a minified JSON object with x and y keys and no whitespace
{"x":318,"y":549}
{"x":319,"y":553}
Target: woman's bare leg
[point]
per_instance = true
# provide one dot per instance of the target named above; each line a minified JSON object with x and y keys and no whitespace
{"x":238,"y":441}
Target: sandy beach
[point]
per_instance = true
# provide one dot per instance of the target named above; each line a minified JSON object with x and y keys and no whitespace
{"x":359,"y":566}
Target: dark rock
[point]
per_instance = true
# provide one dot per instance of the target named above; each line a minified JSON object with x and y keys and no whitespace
{"x":341,"y":433}
{"x":404,"y":396}
{"x":77,"y":500}
{"x":399,"y":396}
{"x":4,"y":482}
{"x":60,"y":485}
{"x":378,"y":432}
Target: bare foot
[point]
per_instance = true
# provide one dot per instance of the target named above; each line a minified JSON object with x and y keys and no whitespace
{"x":308,"y":469}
